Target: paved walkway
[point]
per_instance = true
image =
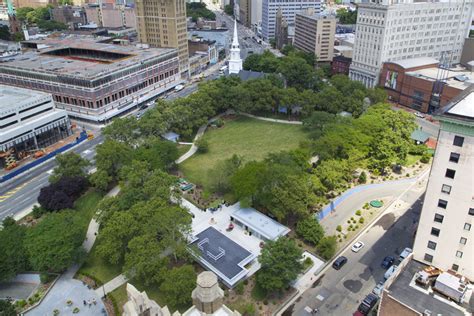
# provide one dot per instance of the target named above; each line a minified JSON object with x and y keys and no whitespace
{"x":113,"y":284}
{"x":306,"y":280}
{"x":272,"y":120}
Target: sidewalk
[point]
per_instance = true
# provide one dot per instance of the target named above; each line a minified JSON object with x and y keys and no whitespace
{"x":272,"y":120}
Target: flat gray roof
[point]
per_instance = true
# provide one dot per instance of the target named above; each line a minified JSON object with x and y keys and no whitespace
{"x":39,"y":60}
{"x":261,"y":223}
{"x":12,"y":98}
{"x":402,"y":291}
{"x":415,"y":62}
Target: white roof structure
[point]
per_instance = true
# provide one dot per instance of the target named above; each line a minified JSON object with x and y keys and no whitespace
{"x":465,"y":107}
{"x":415,"y":62}
{"x":260,"y":223}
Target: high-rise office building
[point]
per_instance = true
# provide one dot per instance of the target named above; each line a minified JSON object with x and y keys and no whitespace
{"x":445,"y":234}
{"x":314,"y":33}
{"x":389,"y":30}
{"x":289,"y":9}
{"x":162,"y":23}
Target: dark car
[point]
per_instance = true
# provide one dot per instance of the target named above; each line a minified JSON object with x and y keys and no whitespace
{"x":387,"y":262}
{"x":367,"y":304}
{"x":339,"y":262}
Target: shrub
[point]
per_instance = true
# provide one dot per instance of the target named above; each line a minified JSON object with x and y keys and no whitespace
{"x":202,"y":146}
{"x":407,"y":175}
{"x":358,"y":213}
{"x":425,"y":158}
{"x":348,"y":221}
{"x":62,"y":194}
{"x":339,"y":228}
{"x":265,"y":302}
{"x":44,"y":278}
{"x":75,"y":310}
{"x":246,"y":282}
{"x":38,"y":211}
{"x":310,"y":230}
{"x":356,"y":227}
{"x":366,"y":206}
{"x":56,"y":312}
{"x":239,"y":289}
{"x":327,"y":247}
{"x":361,"y":220}
{"x":20,"y":303}
{"x":363,"y":177}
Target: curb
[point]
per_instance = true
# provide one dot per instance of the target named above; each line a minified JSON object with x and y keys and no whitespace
{"x":42,"y":298}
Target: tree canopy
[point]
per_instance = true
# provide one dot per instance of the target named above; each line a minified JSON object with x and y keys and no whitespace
{"x":14,"y":258}
{"x":280,"y":264}
{"x":70,"y":164}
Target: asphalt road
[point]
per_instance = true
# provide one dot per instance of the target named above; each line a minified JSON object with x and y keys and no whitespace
{"x":340,"y":292}
{"x":21,"y":193}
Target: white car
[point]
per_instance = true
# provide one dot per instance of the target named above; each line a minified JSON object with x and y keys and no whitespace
{"x":378,"y":289}
{"x":418,"y":114}
{"x":357,"y":246}
{"x":389,"y":272}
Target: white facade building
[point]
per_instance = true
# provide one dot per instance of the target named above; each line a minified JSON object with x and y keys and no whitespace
{"x":289,"y":9}
{"x":445,"y":236}
{"x":387,"y":32}
{"x":256,"y":13}
{"x":235,"y":61}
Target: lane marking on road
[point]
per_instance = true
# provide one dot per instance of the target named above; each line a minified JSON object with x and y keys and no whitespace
{"x":12,"y":192}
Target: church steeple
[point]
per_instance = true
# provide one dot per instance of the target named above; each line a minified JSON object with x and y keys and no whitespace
{"x":235,"y":62}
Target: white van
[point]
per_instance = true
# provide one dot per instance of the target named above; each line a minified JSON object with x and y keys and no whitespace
{"x":179,"y":87}
{"x":389,"y":272}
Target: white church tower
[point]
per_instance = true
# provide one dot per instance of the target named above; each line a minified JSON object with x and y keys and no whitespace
{"x":235,"y":62}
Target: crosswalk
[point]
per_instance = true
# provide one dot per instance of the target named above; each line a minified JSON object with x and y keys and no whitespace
{"x":12,"y":192}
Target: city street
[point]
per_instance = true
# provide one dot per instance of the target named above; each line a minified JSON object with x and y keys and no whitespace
{"x":18,"y":195}
{"x":340,"y":292}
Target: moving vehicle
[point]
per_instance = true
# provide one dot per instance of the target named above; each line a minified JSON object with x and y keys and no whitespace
{"x":367,"y":304}
{"x":387,"y":262}
{"x":378,"y":289}
{"x":389,"y":272}
{"x":179,"y":87}
{"x":223,"y":69}
{"x":405,"y":253}
{"x":357,"y":246}
{"x":418,"y":114}
{"x":339,"y":262}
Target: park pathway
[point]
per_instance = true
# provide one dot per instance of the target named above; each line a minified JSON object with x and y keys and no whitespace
{"x":272,"y":120}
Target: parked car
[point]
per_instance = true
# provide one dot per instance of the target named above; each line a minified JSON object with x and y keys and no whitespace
{"x":179,"y":87}
{"x":405,"y":253}
{"x":387,"y":262}
{"x":390,"y":271}
{"x":378,"y":289}
{"x":418,"y":114}
{"x":339,"y":262}
{"x":357,"y":246}
{"x":367,"y":304}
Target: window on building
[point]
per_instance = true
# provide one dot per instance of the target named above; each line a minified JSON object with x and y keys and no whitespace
{"x":446,"y":189}
{"x":435,"y":231}
{"x":463,"y":240}
{"x":450,"y":173}
{"x":459,"y":254}
{"x":458,"y":141}
{"x":454,"y":157}
{"x":471,"y":211}
{"x":428,"y":257}
{"x":438,"y":218}
{"x":431,"y":245}
{"x":455,"y":267}
{"x":442,"y":203}
{"x":467,"y":226}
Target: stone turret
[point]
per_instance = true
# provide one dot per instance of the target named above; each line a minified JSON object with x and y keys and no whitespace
{"x":207,"y":296}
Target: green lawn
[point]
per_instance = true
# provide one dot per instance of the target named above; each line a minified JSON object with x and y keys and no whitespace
{"x":182,"y":149}
{"x":119,"y":297}
{"x":412,"y":159}
{"x":250,"y":138}
{"x":99,"y":269}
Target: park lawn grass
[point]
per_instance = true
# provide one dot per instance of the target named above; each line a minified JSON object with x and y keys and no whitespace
{"x":98,"y":268}
{"x":412,"y":159}
{"x":85,"y":208}
{"x":182,"y":149}
{"x":119,"y":298}
{"x":155,"y":294}
{"x":250,"y":138}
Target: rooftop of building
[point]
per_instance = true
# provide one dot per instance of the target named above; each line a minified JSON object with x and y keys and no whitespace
{"x":343,"y":48}
{"x":404,"y":289}
{"x":461,"y":107}
{"x":259,"y":222}
{"x":316,"y":16}
{"x":457,"y":77}
{"x":415,"y":62}
{"x":79,"y":56}
{"x":13,"y":98}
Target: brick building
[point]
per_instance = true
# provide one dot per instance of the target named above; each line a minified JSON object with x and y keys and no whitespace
{"x":340,"y":65}
{"x":420,"y":84}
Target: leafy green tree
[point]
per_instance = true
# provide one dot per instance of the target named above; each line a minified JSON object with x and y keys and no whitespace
{"x":202,"y":146}
{"x":54,"y":243}
{"x":158,"y":153}
{"x":346,"y":16}
{"x":377,"y":95}
{"x":247,"y":181}
{"x":363,"y":177}
{"x":111,"y":156}
{"x":50,"y":25}
{"x":145,"y":260}
{"x":14,"y":258}
{"x":122,"y":130}
{"x":333,"y":174}
{"x":22,"y":12}
{"x":223,"y":172}
{"x":280,"y":264}
{"x":199,"y":10}
{"x":229,"y":9}
{"x":317,"y":123}
{"x":297,"y":72}
{"x":70,"y":164}
{"x":178,"y":284}
{"x":7,"y":308}
{"x":327,"y":247}
{"x":100,"y":180}
{"x":310,"y":230}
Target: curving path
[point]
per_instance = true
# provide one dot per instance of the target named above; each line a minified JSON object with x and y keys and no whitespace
{"x":261,"y":118}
